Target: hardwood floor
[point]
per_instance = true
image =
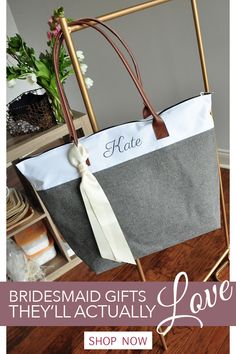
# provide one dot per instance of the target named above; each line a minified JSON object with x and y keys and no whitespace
{"x":196,"y":257}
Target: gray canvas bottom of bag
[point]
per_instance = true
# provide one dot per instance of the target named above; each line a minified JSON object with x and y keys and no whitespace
{"x":160,"y":199}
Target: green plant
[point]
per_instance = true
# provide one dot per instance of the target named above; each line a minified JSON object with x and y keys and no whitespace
{"x":41,"y":70}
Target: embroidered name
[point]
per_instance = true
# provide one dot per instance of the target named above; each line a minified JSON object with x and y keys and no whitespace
{"x":121,"y":145}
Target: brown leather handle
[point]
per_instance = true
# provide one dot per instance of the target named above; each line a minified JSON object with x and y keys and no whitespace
{"x":124,"y":44}
{"x":63,"y":99}
{"x":146,"y":111}
{"x":64,"y":102}
{"x":158,"y":124}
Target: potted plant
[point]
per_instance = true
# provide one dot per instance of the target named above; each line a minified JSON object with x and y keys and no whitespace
{"x":40,"y":70}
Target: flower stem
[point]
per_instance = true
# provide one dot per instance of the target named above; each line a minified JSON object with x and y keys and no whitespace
{"x":56,"y":106}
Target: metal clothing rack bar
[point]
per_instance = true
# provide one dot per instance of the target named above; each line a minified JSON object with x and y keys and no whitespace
{"x":68,"y":30}
{"x":217,"y":268}
{"x":123,"y":12}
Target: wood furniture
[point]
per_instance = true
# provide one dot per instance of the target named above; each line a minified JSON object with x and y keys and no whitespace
{"x":22,"y":146}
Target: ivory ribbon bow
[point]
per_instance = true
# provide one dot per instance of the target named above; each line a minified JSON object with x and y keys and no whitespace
{"x":106,"y":229}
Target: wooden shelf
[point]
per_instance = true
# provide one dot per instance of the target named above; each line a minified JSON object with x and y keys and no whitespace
{"x":75,"y":257}
{"x":20,"y":146}
{"x":59,"y":266}
{"x":35,"y":218}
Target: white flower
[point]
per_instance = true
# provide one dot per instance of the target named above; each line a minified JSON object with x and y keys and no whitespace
{"x":31,"y":78}
{"x":11,"y":83}
{"x":83,"y":68}
{"x":88,"y":82}
{"x":80,"y":55}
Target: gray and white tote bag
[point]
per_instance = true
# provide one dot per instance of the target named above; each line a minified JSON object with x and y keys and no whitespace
{"x":135,"y":188}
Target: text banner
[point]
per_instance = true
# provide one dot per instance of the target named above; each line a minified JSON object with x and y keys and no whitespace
{"x":179,"y":303}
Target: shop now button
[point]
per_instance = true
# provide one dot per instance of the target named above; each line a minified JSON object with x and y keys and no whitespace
{"x":118,"y":340}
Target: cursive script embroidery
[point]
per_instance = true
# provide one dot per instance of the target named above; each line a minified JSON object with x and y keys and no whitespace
{"x":120,"y":145}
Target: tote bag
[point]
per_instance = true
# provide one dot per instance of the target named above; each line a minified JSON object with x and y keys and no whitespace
{"x":135,"y":188}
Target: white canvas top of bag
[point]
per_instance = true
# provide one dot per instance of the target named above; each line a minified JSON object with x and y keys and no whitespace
{"x":120,"y":143}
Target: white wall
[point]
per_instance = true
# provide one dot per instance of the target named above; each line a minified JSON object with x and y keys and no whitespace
{"x":11,"y":25}
{"x":22,"y":85}
{"x":163,"y":40}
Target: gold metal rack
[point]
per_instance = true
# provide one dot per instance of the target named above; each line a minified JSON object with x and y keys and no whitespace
{"x":68,"y":30}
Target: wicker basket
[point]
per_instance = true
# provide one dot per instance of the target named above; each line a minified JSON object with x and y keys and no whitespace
{"x":29,"y":112}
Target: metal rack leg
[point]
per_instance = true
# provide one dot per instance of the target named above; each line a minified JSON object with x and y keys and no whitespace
{"x":143,"y":278}
{"x":215,"y":269}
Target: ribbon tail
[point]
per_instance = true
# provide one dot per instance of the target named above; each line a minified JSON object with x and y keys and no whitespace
{"x":102,"y":243}
{"x":110,"y":239}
